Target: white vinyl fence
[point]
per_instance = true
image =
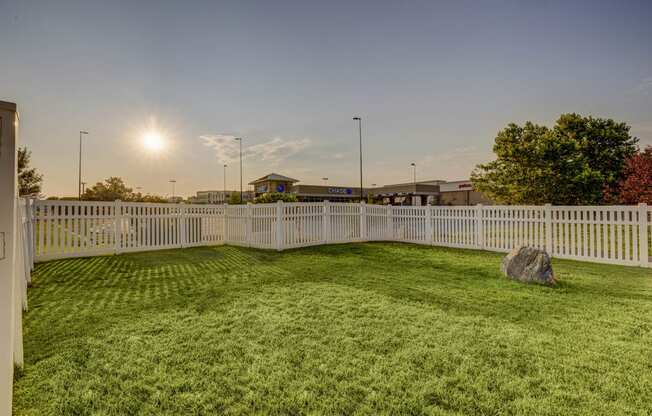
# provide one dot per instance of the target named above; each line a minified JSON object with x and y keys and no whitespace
{"x":606,"y":234}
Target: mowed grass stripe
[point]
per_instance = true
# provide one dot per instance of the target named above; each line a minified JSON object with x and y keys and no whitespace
{"x":375,"y":328}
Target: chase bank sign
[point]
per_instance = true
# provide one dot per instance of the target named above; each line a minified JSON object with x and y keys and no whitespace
{"x":340,"y":191}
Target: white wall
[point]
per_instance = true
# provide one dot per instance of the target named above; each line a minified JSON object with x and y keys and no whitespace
{"x":10,"y":308}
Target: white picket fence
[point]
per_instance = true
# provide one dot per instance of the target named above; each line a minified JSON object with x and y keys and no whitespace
{"x":606,"y":234}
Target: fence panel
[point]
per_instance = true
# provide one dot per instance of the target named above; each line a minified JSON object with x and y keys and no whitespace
{"x":506,"y":227}
{"x":377,"y":218}
{"x":303,"y":224}
{"x":345,"y":223}
{"x":409,"y":224}
{"x":262,"y":230}
{"x":608,"y":234}
{"x":236,"y":225}
{"x":454,"y":226}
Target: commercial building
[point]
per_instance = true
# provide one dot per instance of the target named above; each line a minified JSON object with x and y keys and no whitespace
{"x":305,"y":193}
{"x":219,"y":197}
{"x":432,"y":192}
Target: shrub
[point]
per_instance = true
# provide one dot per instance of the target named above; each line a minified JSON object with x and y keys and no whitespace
{"x":271,"y":197}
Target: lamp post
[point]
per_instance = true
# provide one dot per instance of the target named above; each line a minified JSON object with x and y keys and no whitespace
{"x":172,"y":181}
{"x":83,"y":187}
{"x":414,"y":181}
{"x":79,"y":182}
{"x":240,"y":140}
{"x":360,"y":136}
{"x":224,"y":179}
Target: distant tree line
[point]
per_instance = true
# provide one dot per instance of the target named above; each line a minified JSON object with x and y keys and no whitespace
{"x":111,"y":189}
{"x":579,"y":161}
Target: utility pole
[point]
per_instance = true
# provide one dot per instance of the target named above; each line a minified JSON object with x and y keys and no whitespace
{"x":240,"y":140}
{"x":360,"y":136}
{"x":79,"y":182}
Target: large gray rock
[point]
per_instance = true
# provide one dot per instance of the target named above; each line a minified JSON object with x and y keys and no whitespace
{"x":528,"y":265}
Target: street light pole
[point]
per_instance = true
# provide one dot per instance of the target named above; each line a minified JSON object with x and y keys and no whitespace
{"x":240,"y":140}
{"x":172,"y":181}
{"x":79,"y":182}
{"x":360,"y":135}
{"x":224,"y":180}
{"x":414,"y":177}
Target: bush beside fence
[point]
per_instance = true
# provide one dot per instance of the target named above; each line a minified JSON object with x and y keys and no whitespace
{"x":608,"y":234}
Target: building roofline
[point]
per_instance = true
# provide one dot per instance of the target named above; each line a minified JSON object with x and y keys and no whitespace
{"x":7,"y":106}
{"x":280,"y":178}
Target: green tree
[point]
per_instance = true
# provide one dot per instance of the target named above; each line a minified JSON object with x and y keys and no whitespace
{"x":234,"y":199}
{"x":149,"y":198}
{"x":271,"y":197}
{"x":604,"y":143}
{"x":29,"y":180}
{"x":572,"y":163}
{"x":111,"y":189}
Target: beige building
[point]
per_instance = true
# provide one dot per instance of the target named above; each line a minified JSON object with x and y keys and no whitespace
{"x":432,"y":192}
{"x":461,"y":193}
{"x":219,"y":197}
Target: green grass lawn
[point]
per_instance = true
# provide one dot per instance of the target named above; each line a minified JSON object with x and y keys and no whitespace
{"x":375,"y":328}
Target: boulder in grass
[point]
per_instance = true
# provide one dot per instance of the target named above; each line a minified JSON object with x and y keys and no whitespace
{"x":528,"y":265}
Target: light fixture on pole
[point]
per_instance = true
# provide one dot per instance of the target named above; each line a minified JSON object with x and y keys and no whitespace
{"x":79,"y":182}
{"x":325,"y":181}
{"x":414,"y":173}
{"x":240,"y":140}
{"x":224,"y":179}
{"x":83,"y":187}
{"x":360,"y":136}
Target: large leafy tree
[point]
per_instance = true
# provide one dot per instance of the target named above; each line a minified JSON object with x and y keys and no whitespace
{"x":636,"y":187}
{"x":29,"y":180}
{"x":111,"y":189}
{"x":114,"y":188}
{"x":571,"y":163}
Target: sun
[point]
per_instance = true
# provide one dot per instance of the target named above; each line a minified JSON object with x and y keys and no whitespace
{"x":153,"y":141}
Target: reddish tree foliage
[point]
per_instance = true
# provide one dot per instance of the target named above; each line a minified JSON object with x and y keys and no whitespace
{"x":637,"y":185}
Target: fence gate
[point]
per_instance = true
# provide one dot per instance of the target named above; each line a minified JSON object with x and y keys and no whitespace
{"x":14,"y":269}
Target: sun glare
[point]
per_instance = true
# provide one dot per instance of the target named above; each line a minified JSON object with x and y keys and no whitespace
{"x":153,"y":141}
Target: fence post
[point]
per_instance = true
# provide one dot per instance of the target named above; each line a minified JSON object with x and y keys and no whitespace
{"x":249,"y":225}
{"x":279,"y":225}
{"x":390,"y":224}
{"x":363,"y":221}
{"x":327,"y":223}
{"x":644,"y":258}
{"x":548,"y":214}
{"x":430,"y":235}
{"x":117,"y":226}
{"x":182,"y":225}
{"x":479,"y":227}
{"x":224,"y":224}
{"x":32,"y":235}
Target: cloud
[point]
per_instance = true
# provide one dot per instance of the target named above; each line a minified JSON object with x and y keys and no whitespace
{"x":227,"y":149}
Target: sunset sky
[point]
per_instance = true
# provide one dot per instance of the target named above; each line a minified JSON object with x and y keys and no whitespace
{"x":432,"y":81}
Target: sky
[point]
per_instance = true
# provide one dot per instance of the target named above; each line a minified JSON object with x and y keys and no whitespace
{"x":432,"y":81}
